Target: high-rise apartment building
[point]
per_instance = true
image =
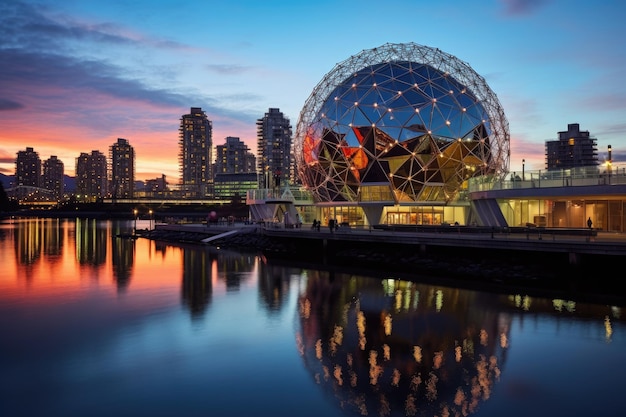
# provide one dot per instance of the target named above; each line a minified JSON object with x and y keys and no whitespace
{"x":234,"y":157}
{"x":195,"y":141}
{"x":28,"y":168}
{"x":275,"y":162}
{"x":574,"y":148}
{"x":122,"y":179}
{"x":235,"y":170}
{"x":53,"y":176}
{"x":91,"y":176}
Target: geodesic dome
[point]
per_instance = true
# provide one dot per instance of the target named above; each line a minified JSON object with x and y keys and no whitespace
{"x":400,"y":123}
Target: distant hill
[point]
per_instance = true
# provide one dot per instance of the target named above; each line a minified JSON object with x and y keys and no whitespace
{"x":6,"y":180}
{"x":70,"y":183}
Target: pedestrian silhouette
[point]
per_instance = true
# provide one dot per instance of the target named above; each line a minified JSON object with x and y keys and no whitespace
{"x":589,"y":223}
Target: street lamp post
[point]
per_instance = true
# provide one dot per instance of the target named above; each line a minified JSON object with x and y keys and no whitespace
{"x":135,"y":216}
{"x":610,"y":163}
{"x":523,"y":167}
{"x":150,"y":219}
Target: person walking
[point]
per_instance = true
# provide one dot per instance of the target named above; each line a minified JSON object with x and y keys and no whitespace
{"x":589,"y":223}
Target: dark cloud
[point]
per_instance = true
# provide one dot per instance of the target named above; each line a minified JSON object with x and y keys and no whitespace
{"x":39,"y":65}
{"x":612,"y":130}
{"x":23,"y":25}
{"x":6,"y":104}
{"x":522,"y":7}
{"x":34,"y":56}
{"x":25,"y":71}
{"x":618,"y":156}
{"x":65,"y":84}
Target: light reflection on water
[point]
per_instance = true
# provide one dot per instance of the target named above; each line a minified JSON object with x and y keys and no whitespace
{"x":95,"y":325}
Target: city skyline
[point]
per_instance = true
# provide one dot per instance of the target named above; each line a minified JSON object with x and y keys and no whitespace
{"x":80,"y":74}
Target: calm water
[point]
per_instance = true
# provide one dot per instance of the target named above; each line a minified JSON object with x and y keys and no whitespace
{"x":94,"y":325}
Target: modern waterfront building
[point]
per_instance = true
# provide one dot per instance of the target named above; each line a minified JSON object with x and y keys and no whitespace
{"x":122,"y":169}
{"x":564,"y":198}
{"x":53,"y":176}
{"x":91,"y":176}
{"x":28,"y":168}
{"x":195,"y":141}
{"x":275,"y":162}
{"x":574,"y":188}
{"x":407,"y":134}
{"x":392,"y":134}
{"x":573,"y":149}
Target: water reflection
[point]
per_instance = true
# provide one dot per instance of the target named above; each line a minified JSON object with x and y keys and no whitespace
{"x":123,"y":257}
{"x":374,"y":346}
{"x":38,"y":240}
{"x":234,"y":268}
{"x":28,"y":242}
{"x":390,"y":347}
{"x":274,"y":282}
{"x":197,"y":284}
{"x":410,"y":349}
{"x":53,"y":239}
{"x":91,"y":242}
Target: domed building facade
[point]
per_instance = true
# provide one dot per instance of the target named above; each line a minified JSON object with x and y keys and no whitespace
{"x":392,"y":134}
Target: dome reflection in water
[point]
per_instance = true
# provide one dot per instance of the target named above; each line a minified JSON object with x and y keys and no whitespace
{"x":415,"y":351}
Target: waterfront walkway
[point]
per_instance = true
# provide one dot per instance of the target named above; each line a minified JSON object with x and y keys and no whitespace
{"x":575,"y":241}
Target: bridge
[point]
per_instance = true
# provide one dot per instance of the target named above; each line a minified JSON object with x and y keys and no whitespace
{"x":33,"y":196}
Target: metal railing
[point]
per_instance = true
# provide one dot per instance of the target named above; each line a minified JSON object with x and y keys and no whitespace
{"x":572,"y":177}
{"x":296,"y":195}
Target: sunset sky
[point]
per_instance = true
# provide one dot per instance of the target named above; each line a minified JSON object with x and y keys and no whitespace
{"x":75,"y":75}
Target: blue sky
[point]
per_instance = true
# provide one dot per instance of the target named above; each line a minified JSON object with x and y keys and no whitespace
{"x":78,"y":74}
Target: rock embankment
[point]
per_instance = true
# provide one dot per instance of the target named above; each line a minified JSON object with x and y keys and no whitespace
{"x":511,"y":273}
{"x":386,"y":258}
{"x":245,"y":239}
{"x":175,"y":236}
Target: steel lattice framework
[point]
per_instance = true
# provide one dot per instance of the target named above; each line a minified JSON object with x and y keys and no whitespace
{"x":399,"y":123}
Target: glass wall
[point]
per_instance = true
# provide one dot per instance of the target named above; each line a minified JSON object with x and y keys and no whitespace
{"x":607,"y":215}
{"x":352,"y":215}
{"x":426,"y":215}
